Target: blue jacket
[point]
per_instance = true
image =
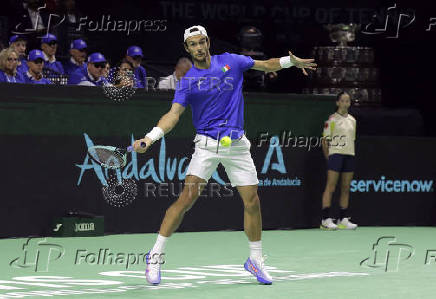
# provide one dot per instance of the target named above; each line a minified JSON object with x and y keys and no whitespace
{"x":31,"y":80}
{"x":82,"y":75}
{"x":18,"y":78}
{"x":22,"y":68}
{"x":70,"y":67}
{"x":55,"y":66}
{"x":140,"y":77}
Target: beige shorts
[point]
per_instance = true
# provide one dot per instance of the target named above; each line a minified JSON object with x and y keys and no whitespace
{"x":235,"y":158}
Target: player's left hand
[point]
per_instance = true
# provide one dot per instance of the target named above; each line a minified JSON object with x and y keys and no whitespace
{"x":303,"y":64}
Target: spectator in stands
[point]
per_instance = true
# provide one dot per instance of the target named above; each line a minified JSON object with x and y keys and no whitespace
{"x":93,"y":74}
{"x":49,"y":45}
{"x":68,"y":30}
{"x":29,"y":17}
{"x":123,"y":74}
{"x":35,"y":62}
{"x":134,"y":56}
{"x":106,"y":70}
{"x":78,"y":49}
{"x":251,"y":40}
{"x":8,"y":66}
{"x":19,"y":44}
{"x":170,"y":82}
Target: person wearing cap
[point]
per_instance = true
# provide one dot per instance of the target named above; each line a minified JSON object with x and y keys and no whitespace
{"x":171,"y":82}
{"x":78,"y":49}
{"x":8,"y":66}
{"x":134,"y":56}
{"x":35,"y":62}
{"x":92,"y":75}
{"x":19,"y":44}
{"x":213,"y":89}
{"x":49,"y":45}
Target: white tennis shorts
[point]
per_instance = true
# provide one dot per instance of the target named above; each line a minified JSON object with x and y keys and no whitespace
{"x":236,"y":160}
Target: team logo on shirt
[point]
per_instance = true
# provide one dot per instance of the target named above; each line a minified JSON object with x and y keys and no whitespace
{"x":225,"y":68}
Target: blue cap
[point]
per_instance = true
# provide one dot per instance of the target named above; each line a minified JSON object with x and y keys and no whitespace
{"x":134,"y":51}
{"x":15,"y":38}
{"x":48,"y":38}
{"x":96,"y":57}
{"x":78,"y":44}
{"x":35,"y":54}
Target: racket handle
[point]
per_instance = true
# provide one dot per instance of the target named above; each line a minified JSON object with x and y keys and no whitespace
{"x":130,"y":148}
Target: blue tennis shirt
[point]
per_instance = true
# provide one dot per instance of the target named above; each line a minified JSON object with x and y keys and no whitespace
{"x":215,"y":95}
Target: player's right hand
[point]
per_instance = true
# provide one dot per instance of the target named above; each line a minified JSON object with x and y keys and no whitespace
{"x":137,"y":145}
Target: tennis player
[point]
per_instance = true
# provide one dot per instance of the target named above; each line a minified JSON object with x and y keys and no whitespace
{"x":213,"y":89}
{"x":338,"y":147}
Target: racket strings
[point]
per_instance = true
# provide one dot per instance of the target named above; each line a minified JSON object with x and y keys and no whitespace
{"x":107,"y":158}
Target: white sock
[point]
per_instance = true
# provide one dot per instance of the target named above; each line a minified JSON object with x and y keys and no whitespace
{"x":159,"y":246}
{"x":255,"y":249}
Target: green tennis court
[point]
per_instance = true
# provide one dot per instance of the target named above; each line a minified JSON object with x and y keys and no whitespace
{"x":371,"y":262}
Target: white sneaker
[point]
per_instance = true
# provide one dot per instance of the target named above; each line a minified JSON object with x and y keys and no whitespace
{"x":328,"y":224}
{"x":152,"y":270}
{"x":345,"y":223}
{"x":257,"y":268}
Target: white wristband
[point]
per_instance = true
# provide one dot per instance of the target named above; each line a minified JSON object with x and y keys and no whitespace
{"x":285,"y":62}
{"x":155,"y":134}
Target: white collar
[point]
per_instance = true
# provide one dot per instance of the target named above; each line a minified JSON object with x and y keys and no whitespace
{"x":31,"y":77}
{"x":92,"y":77}
{"x":342,"y":115}
{"x":46,"y":57}
{"x":175,"y":77}
{"x":74,"y":61}
{"x":10,"y":78}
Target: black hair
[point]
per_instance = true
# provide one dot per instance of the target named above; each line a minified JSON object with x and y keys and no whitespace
{"x":116,"y":76}
{"x":338,"y":97}
{"x":124,"y":60}
{"x":182,"y":57}
{"x":250,"y":38}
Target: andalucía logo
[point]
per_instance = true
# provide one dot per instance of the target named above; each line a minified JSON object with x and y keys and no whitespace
{"x":169,"y":168}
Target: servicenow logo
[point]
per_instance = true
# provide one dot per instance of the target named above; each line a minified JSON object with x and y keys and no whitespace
{"x":386,"y":185}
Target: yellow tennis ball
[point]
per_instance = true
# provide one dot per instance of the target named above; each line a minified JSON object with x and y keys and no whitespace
{"x":226,"y":141}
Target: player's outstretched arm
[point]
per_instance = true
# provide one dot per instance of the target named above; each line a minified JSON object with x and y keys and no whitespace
{"x":166,"y":123}
{"x":276,"y":64}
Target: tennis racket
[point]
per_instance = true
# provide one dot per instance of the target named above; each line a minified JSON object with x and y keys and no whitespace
{"x":110,"y":157}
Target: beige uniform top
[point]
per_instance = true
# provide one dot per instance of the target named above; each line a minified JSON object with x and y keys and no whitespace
{"x":341,"y":131}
